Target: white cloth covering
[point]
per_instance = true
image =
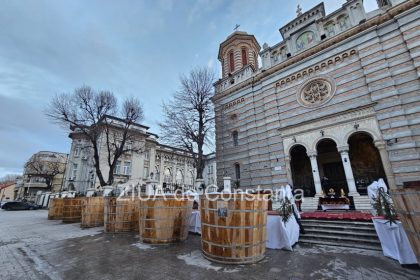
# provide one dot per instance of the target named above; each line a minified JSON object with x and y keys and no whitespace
{"x":381,"y":184}
{"x":280,"y":235}
{"x":195,"y":222}
{"x":335,"y":206}
{"x":394,"y":241}
{"x":373,"y":191}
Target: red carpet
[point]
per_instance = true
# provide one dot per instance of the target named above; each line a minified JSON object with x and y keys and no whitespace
{"x":351,"y":216}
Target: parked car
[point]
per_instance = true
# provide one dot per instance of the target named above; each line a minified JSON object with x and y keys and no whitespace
{"x":19,"y":205}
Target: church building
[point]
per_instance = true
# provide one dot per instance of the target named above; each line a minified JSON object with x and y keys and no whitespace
{"x":335,"y":103}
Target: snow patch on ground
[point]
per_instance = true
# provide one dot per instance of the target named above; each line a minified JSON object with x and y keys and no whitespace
{"x":195,"y":258}
{"x":40,"y":265}
{"x":143,"y":246}
{"x":328,"y":272}
{"x":325,"y":249}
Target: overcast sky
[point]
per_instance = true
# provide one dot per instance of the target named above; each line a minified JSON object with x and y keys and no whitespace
{"x":134,"y":47}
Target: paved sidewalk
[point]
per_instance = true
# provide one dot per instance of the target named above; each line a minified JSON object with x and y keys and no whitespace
{"x":31,"y":247}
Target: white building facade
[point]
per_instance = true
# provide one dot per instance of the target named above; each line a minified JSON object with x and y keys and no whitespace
{"x":169,"y":167}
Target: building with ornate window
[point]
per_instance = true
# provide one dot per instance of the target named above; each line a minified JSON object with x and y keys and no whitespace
{"x":335,"y":104}
{"x":170,"y":167}
{"x":44,"y":172}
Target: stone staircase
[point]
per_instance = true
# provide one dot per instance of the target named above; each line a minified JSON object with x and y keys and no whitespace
{"x":340,"y":233}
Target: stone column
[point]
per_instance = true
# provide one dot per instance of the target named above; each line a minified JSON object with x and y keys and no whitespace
{"x":174,"y":168}
{"x":288,"y":170}
{"x":152,"y":160}
{"x":344,"y":152}
{"x":380,"y":145}
{"x":150,"y":185}
{"x":315,"y":173}
{"x":162,"y":169}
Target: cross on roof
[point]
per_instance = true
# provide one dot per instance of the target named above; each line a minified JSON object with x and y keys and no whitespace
{"x":236,"y":27}
{"x":298,"y":10}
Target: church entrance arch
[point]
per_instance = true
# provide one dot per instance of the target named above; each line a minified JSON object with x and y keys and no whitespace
{"x":331,"y":168}
{"x":301,"y":170}
{"x":365,"y":161}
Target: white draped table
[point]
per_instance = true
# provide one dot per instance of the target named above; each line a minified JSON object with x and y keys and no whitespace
{"x":335,"y":207}
{"x":280,"y":235}
{"x":394,"y":241}
{"x":195,"y":222}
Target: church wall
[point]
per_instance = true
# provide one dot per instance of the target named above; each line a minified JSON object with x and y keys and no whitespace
{"x":377,"y":68}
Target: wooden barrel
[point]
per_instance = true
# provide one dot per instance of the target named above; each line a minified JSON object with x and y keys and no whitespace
{"x":233,"y":227}
{"x":164,"y":219}
{"x":109,"y":213}
{"x":120,"y":215}
{"x":55,"y":209}
{"x":72,"y":210}
{"x":92,"y":212}
{"x":407,"y":205}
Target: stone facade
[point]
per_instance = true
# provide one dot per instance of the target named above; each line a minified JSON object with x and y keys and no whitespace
{"x":331,"y":77}
{"x":210,"y":171}
{"x":164,"y":164}
{"x":40,"y":166}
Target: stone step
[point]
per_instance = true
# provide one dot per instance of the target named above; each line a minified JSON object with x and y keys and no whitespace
{"x":340,"y":228}
{"x":335,"y":222}
{"x":327,"y":232}
{"x":339,"y":239}
{"x":351,"y":245}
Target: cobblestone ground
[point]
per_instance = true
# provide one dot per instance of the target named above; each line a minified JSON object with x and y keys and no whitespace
{"x":31,"y":247}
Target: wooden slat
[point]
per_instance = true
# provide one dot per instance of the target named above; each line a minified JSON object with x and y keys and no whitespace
{"x":163,"y":221}
{"x":407,"y":205}
{"x":238,"y":238}
{"x":92,"y":212}
{"x":72,"y":210}
{"x":55,"y":210}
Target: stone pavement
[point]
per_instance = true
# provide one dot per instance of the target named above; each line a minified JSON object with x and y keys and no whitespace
{"x":31,"y":247}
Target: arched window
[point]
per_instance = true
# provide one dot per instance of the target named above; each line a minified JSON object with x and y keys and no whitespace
{"x":343,"y":22}
{"x":237,"y":171}
{"x":167,"y":176}
{"x":179,"y":177}
{"x":235,"y":138}
{"x":244,"y":57}
{"x":329,"y":28}
{"x":231,"y":62}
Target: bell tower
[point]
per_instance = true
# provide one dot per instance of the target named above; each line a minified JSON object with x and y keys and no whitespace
{"x":238,"y":51}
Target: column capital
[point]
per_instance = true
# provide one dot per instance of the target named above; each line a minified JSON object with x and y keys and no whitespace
{"x":343,"y":149}
{"x":380,"y":144}
{"x":312,"y":154}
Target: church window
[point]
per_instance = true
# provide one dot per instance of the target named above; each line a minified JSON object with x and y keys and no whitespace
{"x":237,"y":171}
{"x":316,"y":92}
{"x":304,"y":40}
{"x":244,"y":57}
{"x":343,"y":22}
{"x":283,"y":53}
{"x":329,"y":28}
{"x":231,"y":62}
{"x":235,"y":138}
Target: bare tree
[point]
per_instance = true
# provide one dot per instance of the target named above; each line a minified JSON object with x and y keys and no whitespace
{"x":9,"y":178}
{"x":93,"y":114}
{"x":47,"y":170}
{"x":189,"y":116}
